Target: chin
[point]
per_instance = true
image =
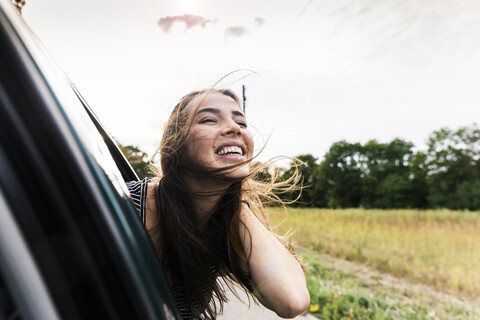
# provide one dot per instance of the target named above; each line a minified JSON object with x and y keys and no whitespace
{"x":237,"y":173}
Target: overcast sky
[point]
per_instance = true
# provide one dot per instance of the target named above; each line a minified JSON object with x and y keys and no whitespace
{"x":325,"y":70}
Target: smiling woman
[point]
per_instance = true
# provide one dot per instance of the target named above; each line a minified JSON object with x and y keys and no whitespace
{"x":219,"y":136}
{"x":205,"y":216}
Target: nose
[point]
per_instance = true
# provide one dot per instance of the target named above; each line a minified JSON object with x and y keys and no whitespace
{"x":231,"y":128}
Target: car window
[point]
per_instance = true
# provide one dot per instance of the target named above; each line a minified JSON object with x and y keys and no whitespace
{"x":123,"y":165}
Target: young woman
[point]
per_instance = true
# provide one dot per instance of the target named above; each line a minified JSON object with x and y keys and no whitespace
{"x":205,"y":216}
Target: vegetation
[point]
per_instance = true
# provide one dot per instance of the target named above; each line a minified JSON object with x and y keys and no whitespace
{"x":138,"y":159}
{"x":382,"y":175}
{"x":341,"y":294}
{"x":437,"y":249}
{"x":392,"y":175}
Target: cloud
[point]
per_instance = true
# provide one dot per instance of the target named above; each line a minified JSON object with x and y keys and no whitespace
{"x":190,"y":21}
{"x":235,"y":32}
{"x":258,"y":22}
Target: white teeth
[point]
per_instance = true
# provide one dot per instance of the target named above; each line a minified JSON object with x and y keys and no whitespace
{"x":230,"y":150}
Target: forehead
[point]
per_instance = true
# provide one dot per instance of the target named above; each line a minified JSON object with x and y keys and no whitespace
{"x":215,"y":100}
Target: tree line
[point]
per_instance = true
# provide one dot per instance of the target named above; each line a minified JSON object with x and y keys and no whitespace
{"x":383,"y":175}
{"x":393,"y":175}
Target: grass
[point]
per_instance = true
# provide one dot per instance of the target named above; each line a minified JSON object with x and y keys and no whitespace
{"x":336,"y":295}
{"x":438,"y":248}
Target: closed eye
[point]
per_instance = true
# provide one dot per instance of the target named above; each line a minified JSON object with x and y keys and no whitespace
{"x":242,"y":124}
{"x":208,"y":120}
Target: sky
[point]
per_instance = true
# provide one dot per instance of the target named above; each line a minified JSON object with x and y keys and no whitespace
{"x":315,"y":71}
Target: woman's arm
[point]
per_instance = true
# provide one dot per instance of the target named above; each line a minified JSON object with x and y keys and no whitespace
{"x":278,"y":278}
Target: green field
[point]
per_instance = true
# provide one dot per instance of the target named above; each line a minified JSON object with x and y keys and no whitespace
{"x":434,"y":254}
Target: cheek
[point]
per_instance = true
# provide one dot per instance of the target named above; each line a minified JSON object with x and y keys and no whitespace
{"x":249,"y":141}
{"x":199,"y":141}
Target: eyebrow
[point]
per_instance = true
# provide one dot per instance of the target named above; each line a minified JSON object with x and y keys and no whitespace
{"x":217,"y":111}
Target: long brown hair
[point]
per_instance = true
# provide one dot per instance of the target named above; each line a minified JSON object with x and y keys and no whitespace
{"x":193,"y":257}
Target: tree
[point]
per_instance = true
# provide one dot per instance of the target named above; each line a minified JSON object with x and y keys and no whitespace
{"x":387,"y":182}
{"x":418,"y":178}
{"x":468,"y":195}
{"x":261,"y":174}
{"x":370,"y":175}
{"x":391,"y":175}
{"x":338,"y":178}
{"x":138,"y":159}
{"x":303,"y":196}
{"x":453,"y":164}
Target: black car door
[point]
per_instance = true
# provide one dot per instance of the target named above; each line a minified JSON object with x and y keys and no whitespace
{"x":70,"y":242}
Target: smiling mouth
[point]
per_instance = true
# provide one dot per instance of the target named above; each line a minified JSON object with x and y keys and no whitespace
{"x":230,"y":150}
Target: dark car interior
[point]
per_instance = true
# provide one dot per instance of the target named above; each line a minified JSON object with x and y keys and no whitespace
{"x":8,"y":309}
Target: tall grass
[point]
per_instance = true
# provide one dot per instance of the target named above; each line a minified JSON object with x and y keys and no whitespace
{"x":440,"y":248}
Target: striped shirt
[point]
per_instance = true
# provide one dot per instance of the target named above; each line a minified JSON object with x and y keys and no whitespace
{"x":138,"y":193}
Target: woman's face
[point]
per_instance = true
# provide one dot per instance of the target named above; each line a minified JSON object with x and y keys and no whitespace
{"x":219,"y":136}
